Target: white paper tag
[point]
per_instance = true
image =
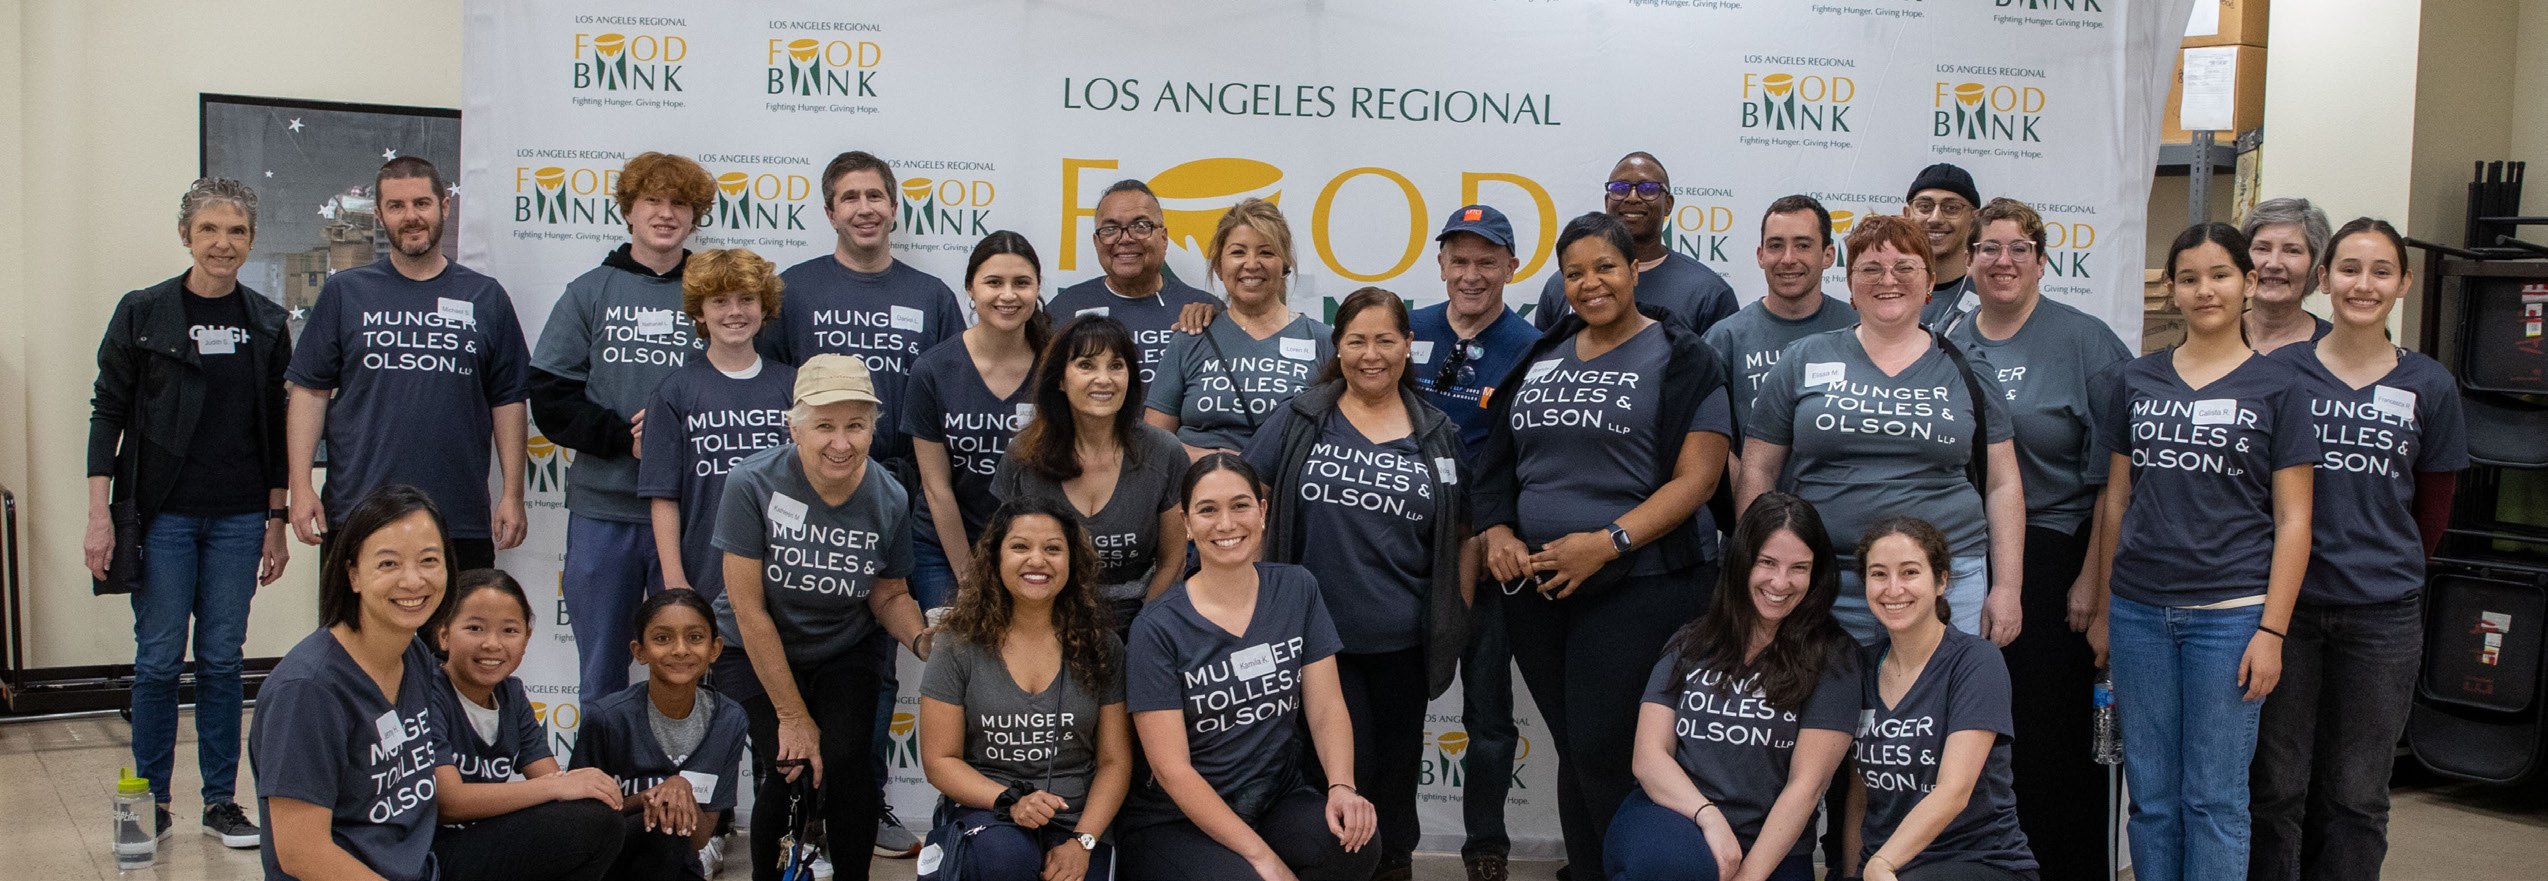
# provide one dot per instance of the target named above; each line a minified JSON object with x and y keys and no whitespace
{"x":2216,"y":411}
{"x":787,"y":512}
{"x":1825,"y":373}
{"x":703,"y":785}
{"x":654,"y":322}
{"x":1423,"y":350}
{"x":215,"y":341}
{"x":1099,"y":311}
{"x":931,"y":855}
{"x":1299,"y":350}
{"x":1446,"y":469}
{"x":2396,"y":403}
{"x":461,"y":311}
{"x":906,"y":318}
{"x":1249,"y":663}
{"x":393,"y":733}
{"x":1025,"y":414}
{"x":1540,"y":370}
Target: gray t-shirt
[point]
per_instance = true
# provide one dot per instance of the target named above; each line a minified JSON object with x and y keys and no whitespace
{"x":680,"y":737}
{"x":1240,"y":692}
{"x":2364,"y":546}
{"x":1126,"y":530}
{"x":1047,"y":739}
{"x":1863,"y":446}
{"x":1736,"y":746}
{"x":1696,"y":296}
{"x":1748,"y":344}
{"x":2043,"y":372}
{"x":619,"y":333}
{"x":1368,"y":509}
{"x":949,"y":404}
{"x":705,"y":423}
{"x":1150,"y":319}
{"x":1950,"y":304}
{"x":884,"y":318}
{"x":2200,"y":526}
{"x":1221,"y":383}
{"x":1584,"y":439}
{"x":1963,"y":688}
{"x":818,"y":562}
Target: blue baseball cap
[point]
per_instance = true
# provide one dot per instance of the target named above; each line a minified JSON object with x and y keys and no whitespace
{"x":1482,"y":221}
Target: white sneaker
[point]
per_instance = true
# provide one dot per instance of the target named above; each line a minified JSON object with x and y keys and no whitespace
{"x":892,"y":841}
{"x":712,"y":857}
{"x":822,"y":869}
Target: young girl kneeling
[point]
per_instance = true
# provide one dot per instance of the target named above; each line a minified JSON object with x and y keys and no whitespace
{"x":674,"y":746}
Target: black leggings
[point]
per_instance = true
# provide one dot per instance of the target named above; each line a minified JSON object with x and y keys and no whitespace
{"x":840,"y":696}
{"x":1295,"y":826}
{"x":653,"y":856}
{"x":2059,"y":786}
{"x":1385,"y":697}
{"x":576,"y":841}
{"x":1966,"y":872}
{"x":1585,"y":658}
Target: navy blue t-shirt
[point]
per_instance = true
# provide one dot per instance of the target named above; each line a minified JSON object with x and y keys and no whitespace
{"x":2364,"y":546}
{"x":1241,"y":693}
{"x":418,"y":367}
{"x":705,"y":422}
{"x":617,"y":740}
{"x":1585,"y":438}
{"x":884,"y":318}
{"x":1368,"y":510}
{"x":1464,"y":397}
{"x":1736,"y":746}
{"x":1696,"y":296}
{"x":324,"y":734}
{"x":1150,"y":319}
{"x":520,"y":740}
{"x":1900,"y":748}
{"x":951,"y":405}
{"x":2200,"y":526}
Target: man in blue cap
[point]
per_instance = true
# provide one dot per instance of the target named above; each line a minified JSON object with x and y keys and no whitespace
{"x":1946,"y":205}
{"x":1463,"y":346}
{"x":1639,"y":193}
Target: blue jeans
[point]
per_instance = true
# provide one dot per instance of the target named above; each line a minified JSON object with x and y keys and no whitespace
{"x":1648,"y":842}
{"x":1010,"y":852}
{"x":2326,"y":741}
{"x":1965,"y":592}
{"x":2188,"y":736}
{"x":610,"y":569}
{"x":1486,"y":711}
{"x":203,"y":569}
{"x":933,"y":582}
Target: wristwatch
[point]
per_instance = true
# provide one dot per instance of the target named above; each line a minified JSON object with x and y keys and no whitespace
{"x":1619,"y":539}
{"x":278,"y":513}
{"x":1087,"y":841}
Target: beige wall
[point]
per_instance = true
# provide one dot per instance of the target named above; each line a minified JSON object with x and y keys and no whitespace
{"x":98,"y":135}
{"x":2527,"y":123}
{"x":2340,"y":104}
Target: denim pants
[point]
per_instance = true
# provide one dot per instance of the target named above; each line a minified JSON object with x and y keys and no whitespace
{"x":2326,"y":740}
{"x":201,"y":570}
{"x":1486,"y":712}
{"x":610,"y":569}
{"x":2188,"y":736}
{"x":933,"y":581}
{"x":1648,"y":842}
{"x":1965,"y":591}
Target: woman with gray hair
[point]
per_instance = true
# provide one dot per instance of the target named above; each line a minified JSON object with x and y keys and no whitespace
{"x":186,"y":489}
{"x":2288,"y":239}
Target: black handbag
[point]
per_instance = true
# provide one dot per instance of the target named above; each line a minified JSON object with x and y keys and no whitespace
{"x":124,"y":564}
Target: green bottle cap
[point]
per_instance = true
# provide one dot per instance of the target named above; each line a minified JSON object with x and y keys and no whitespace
{"x":131,"y":785}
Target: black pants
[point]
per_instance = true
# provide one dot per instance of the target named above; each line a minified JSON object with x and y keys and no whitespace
{"x":465,"y":553}
{"x":840,"y":696}
{"x":1586,"y":658}
{"x":1486,"y":711}
{"x":2059,"y":786}
{"x":561,"y":840}
{"x":2326,"y":741}
{"x":1295,"y":826}
{"x":1968,"y":872}
{"x":1385,"y":697}
{"x":653,"y":856}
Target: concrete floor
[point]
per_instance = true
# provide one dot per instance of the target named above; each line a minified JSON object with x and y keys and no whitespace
{"x":57,"y":775}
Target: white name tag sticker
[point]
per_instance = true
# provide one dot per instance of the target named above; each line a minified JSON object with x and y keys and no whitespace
{"x":1423,"y":351}
{"x":1099,"y":311}
{"x":1540,"y":371}
{"x":2396,"y":403}
{"x":1446,"y":469}
{"x":456,"y":310}
{"x":215,"y":341}
{"x":393,"y":733}
{"x":1249,"y":663}
{"x":931,"y":856}
{"x":2216,"y":411}
{"x":906,"y":318}
{"x":1825,"y":373}
{"x":1299,"y":350}
{"x":654,"y":322}
{"x":1025,"y":412}
{"x":787,"y":512}
{"x":703,"y":785}
{"x":1866,"y":722}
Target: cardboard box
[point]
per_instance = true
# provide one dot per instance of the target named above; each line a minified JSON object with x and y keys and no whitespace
{"x":2242,"y":23}
{"x":2250,"y":93}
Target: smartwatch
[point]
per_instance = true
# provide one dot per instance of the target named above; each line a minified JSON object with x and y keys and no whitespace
{"x":278,"y":513}
{"x":1619,"y":539}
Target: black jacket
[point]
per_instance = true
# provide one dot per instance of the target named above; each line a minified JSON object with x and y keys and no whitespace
{"x":150,"y":391}
{"x":1692,"y":372}
{"x":1301,"y":420}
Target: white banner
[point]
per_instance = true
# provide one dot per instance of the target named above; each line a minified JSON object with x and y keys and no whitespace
{"x":1368,"y":122}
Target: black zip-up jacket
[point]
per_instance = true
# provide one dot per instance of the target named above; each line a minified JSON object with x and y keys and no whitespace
{"x":150,"y":392}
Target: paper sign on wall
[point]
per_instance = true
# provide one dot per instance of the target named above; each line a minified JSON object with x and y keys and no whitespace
{"x":2211,"y":89}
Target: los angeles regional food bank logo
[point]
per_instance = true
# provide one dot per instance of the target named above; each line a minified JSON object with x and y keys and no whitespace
{"x":628,"y":62}
{"x":2002,"y":115}
{"x":558,"y":195}
{"x":1447,"y":767}
{"x":546,"y":471}
{"x":1813,"y":100}
{"x":947,"y":207}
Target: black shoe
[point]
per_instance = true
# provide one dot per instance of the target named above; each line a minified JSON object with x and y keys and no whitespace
{"x":1396,"y":872}
{"x":1566,"y":872}
{"x":159,"y":813}
{"x":1488,"y":867}
{"x":228,"y":822}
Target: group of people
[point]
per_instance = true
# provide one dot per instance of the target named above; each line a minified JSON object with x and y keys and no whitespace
{"x":1185,"y":567}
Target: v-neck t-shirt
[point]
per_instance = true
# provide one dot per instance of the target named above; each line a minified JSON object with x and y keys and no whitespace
{"x":2364,"y":546}
{"x":2043,"y":371}
{"x":517,"y":742}
{"x":1585,"y":440}
{"x":818,"y":561}
{"x":1695,"y":295}
{"x":1368,"y":508}
{"x":1900,"y":748}
{"x":324,"y":734}
{"x":1736,"y":746}
{"x":1221,"y":383}
{"x":1151,"y":320}
{"x":705,"y":422}
{"x":2199,"y":528}
{"x":1046,"y":739}
{"x":950,"y":404}
{"x":1241,"y":694}
{"x":1749,"y":342}
{"x":1125,"y":529}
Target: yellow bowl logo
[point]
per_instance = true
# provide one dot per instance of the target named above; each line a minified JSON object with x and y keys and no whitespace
{"x":1452,"y":743}
{"x":608,"y":45}
{"x":1194,"y":195}
{"x":1778,"y":83}
{"x":732,"y":183}
{"x":540,"y":447}
{"x":1969,"y":94}
{"x":916,"y":189}
{"x":901,"y":726}
{"x":549,"y":178}
{"x":803,"y":49}
{"x":1842,"y":220}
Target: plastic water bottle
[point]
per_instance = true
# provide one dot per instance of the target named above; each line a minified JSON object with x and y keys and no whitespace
{"x":2108,"y":741}
{"x":136,"y":835}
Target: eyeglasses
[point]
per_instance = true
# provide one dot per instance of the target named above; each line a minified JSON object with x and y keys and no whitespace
{"x":1950,"y":208}
{"x":1645,"y":189}
{"x":2019,"y":251}
{"x":1140,"y":229}
{"x":1873,"y":273}
{"x":1460,"y":369}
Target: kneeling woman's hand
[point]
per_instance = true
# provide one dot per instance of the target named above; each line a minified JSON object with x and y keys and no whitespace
{"x":1065,"y":862}
{"x":1350,"y":816}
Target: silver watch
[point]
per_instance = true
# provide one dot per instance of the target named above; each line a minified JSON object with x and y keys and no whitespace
{"x":1087,"y":841}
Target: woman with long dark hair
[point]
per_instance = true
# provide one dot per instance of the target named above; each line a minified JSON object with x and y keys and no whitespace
{"x":1590,"y":493}
{"x":1087,"y":448}
{"x":969,"y":395}
{"x":1022,"y":724}
{"x":1746,"y":716}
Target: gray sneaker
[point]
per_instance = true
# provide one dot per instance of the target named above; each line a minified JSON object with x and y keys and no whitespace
{"x":892,"y":841}
{"x":228,"y":822}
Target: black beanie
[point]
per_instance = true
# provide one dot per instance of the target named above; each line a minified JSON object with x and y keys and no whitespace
{"x":1948,"y":177}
